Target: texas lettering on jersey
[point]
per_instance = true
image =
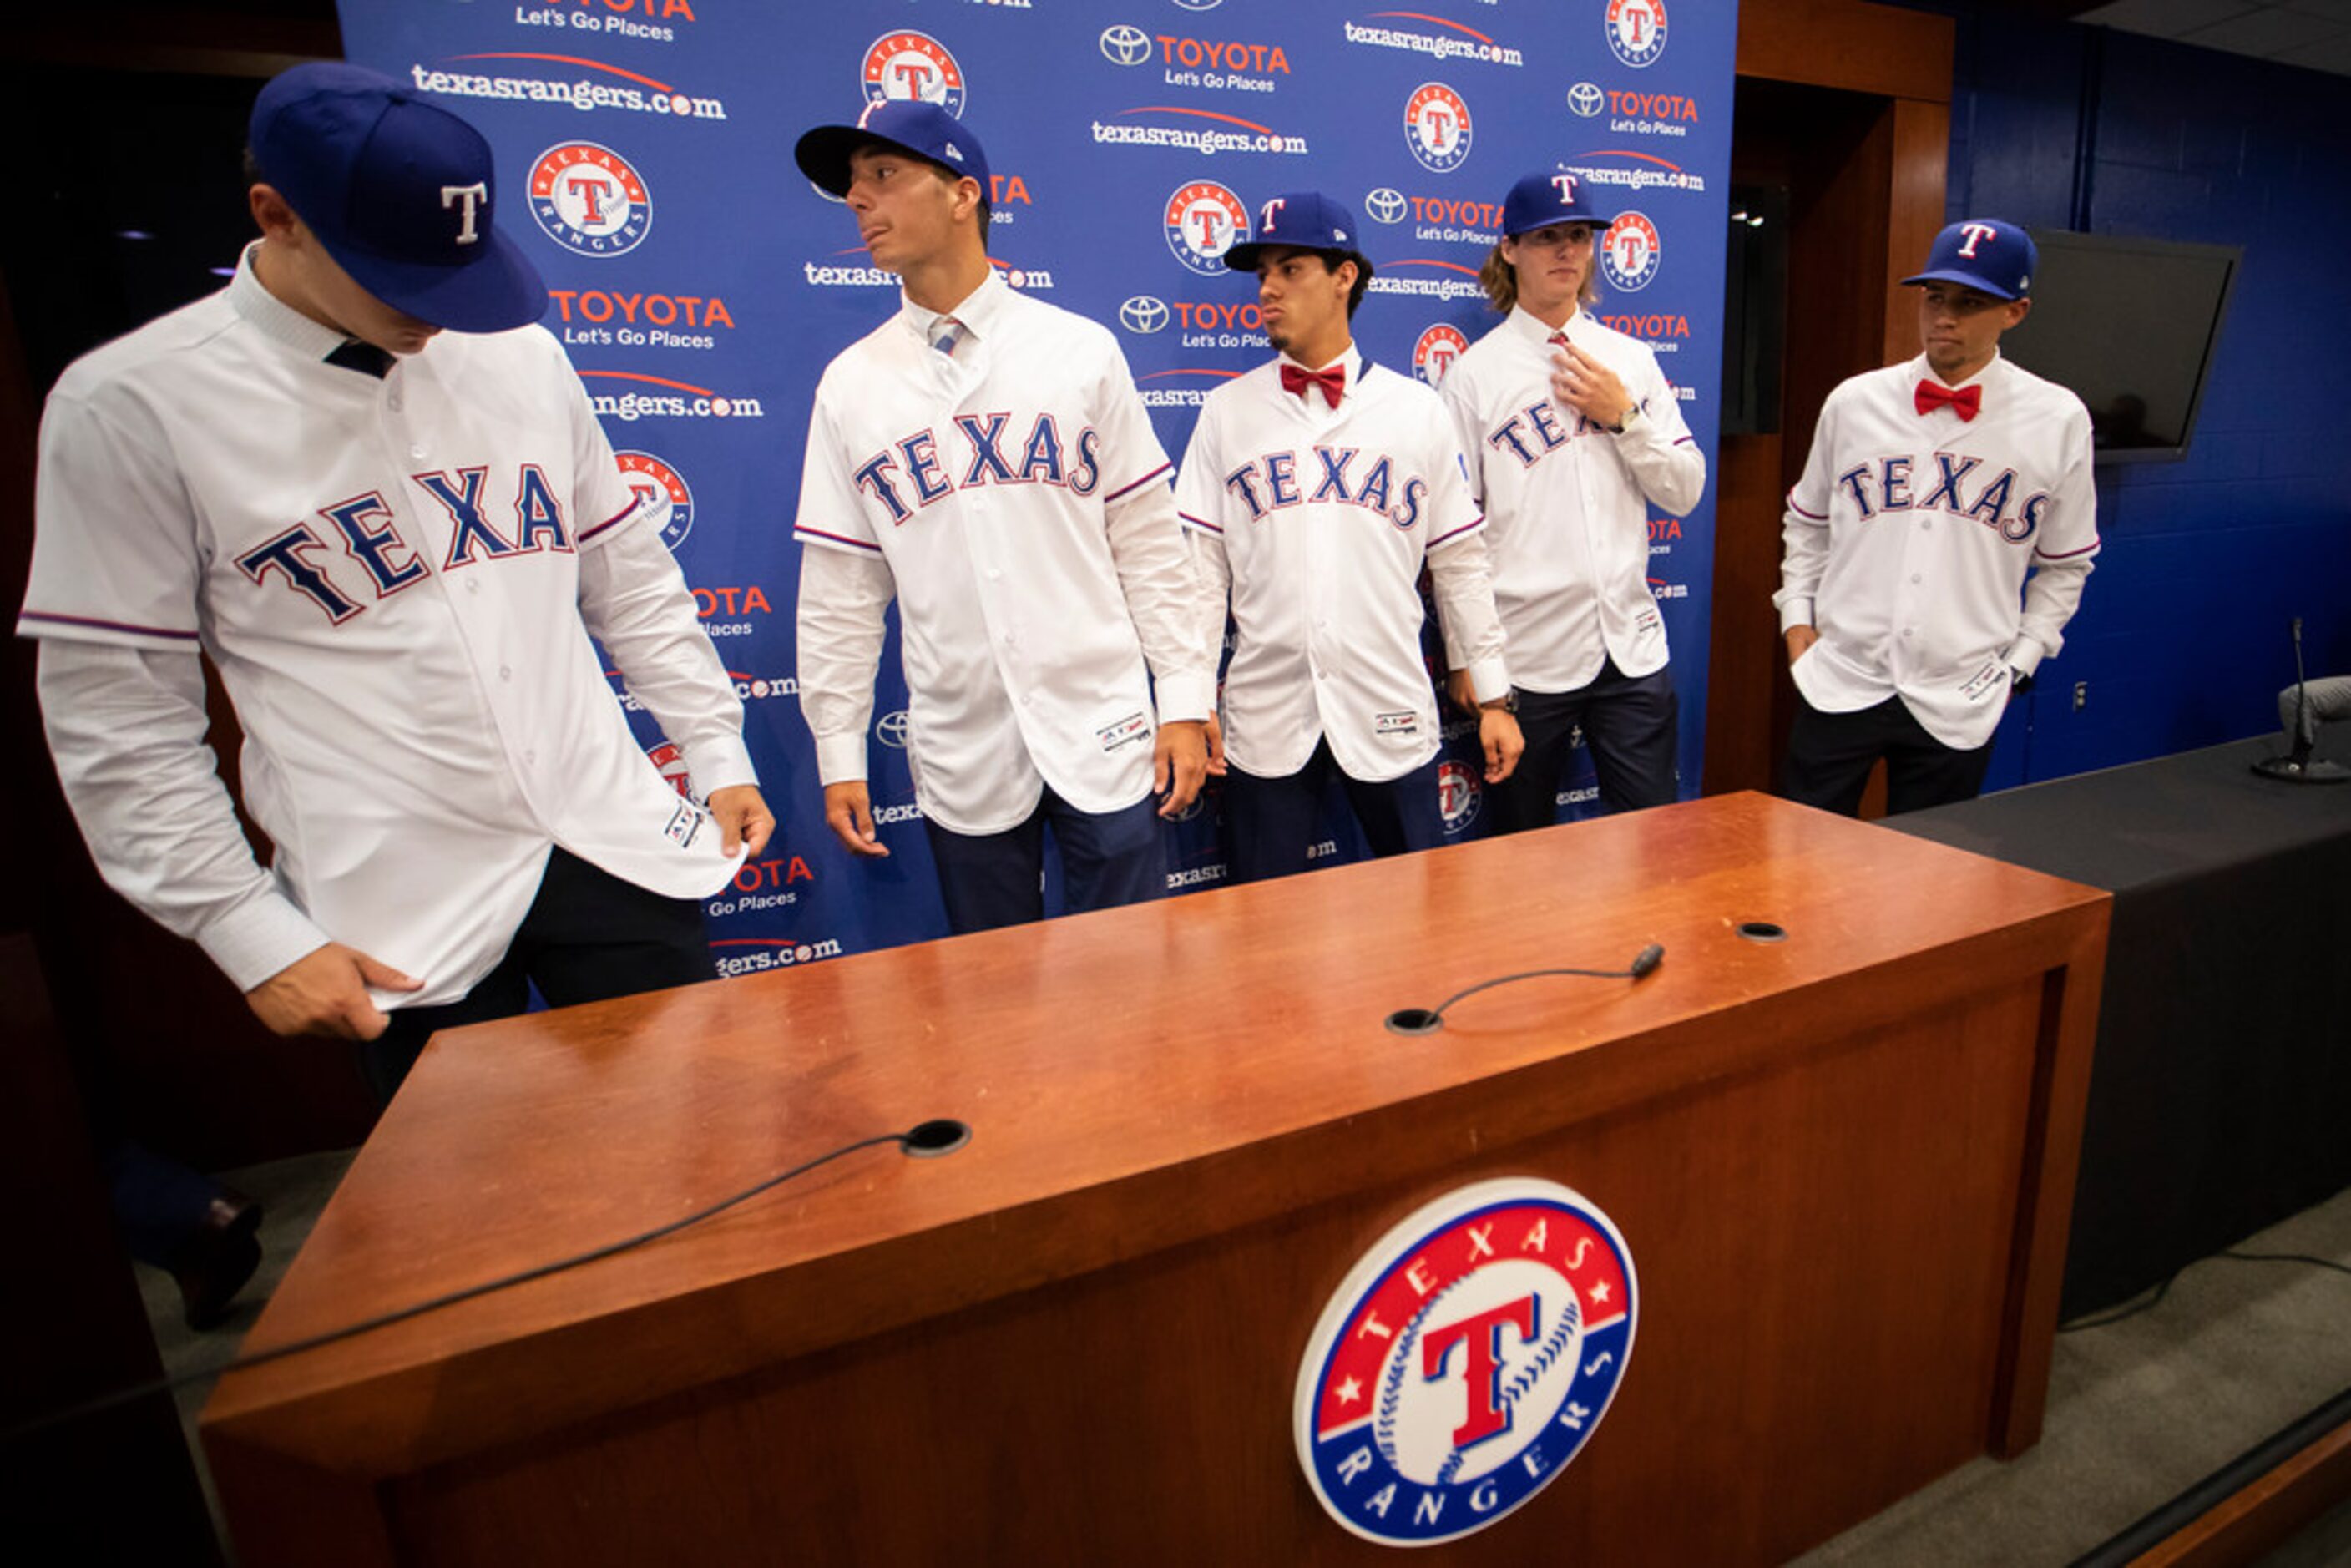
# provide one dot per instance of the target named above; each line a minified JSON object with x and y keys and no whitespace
{"x":1540,"y":421}
{"x":365,"y":529}
{"x":1270,"y":483}
{"x":911,"y":473}
{"x":1888,"y":484}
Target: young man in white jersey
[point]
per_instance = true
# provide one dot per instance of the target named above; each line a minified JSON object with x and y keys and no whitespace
{"x":984,"y":458}
{"x":363,"y":482}
{"x":1315,"y":487}
{"x":1572,"y":436}
{"x":1933,"y":487}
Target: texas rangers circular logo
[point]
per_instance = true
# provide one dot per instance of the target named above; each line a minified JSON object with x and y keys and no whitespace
{"x":1125,"y":44}
{"x":1437,"y":126}
{"x":916,"y":65}
{"x":1385,"y":205}
{"x":589,"y":199}
{"x":1636,"y":30}
{"x":1457,"y":794}
{"x":1629,"y":253}
{"x":1204,"y":220}
{"x":651,"y":479}
{"x":1143,"y":313}
{"x":1431,"y":356}
{"x":1585,"y":98}
{"x":1465,"y":1361}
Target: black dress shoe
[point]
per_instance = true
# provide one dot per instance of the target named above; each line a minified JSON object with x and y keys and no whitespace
{"x":218,"y":1259}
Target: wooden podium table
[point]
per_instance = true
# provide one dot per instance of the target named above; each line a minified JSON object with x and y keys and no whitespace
{"x":1842,"y":1164}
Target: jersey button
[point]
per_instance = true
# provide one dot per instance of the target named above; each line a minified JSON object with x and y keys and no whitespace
{"x":506,"y":671}
{"x":1916,"y":578}
{"x":417,"y":452}
{"x":392,"y":402}
{"x":1926,"y":525}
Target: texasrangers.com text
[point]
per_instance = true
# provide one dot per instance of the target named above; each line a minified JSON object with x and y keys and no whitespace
{"x":581,"y":95}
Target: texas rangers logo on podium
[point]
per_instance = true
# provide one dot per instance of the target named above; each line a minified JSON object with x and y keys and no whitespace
{"x":915,"y":66}
{"x":1204,"y":220}
{"x":651,"y":479}
{"x":589,"y":199}
{"x":1630,"y":252}
{"x":1437,"y":126}
{"x":1636,"y":30}
{"x":1465,"y":1362}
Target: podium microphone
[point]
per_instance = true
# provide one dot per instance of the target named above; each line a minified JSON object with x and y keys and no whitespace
{"x":2295,"y":767}
{"x":1428,"y":1020}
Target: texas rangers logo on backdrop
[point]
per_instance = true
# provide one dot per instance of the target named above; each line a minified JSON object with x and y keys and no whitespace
{"x":1465,"y":1361}
{"x":1636,"y":30}
{"x":651,"y":480}
{"x":1437,"y":126}
{"x":589,"y":199}
{"x":1431,"y":356}
{"x":1202,"y":221}
{"x":1630,"y":252}
{"x":1457,"y":794}
{"x":915,"y":66}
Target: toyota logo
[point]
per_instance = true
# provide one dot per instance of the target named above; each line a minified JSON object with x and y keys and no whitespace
{"x":1125,"y":45}
{"x":890,"y":731}
{"x":1385,"y":204}
{"x":1585,"y":98}
{"x":1143,"y":314}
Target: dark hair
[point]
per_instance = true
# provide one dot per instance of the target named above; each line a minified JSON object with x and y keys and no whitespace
{"x":1331,"y":260}
{"x":955,"y":177}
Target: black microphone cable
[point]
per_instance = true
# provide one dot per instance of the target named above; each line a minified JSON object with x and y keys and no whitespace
{"x":923,"y":1141}
{"x":1428,"y":1020}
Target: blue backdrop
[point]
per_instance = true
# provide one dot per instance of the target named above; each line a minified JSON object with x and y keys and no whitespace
{"x":701,"y":284}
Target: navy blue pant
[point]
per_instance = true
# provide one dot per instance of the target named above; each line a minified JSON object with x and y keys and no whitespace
{"x":1630,"y":723}
{"x":999,"y":878}
{"x":1830,"y":756}
{"x":589,"y":935}
{"x":1271,"y":823}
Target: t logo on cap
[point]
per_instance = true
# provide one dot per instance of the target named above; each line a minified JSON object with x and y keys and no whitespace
{"x":1977,"y":233}
{"x":1565,"y":185}
{"x":472,"y":195}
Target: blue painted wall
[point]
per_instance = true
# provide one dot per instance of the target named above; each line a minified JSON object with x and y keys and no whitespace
{"x":2181,"y":636}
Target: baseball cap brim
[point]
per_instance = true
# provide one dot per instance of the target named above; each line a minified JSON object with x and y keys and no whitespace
{"x":498,"y":292}
{"x":823,"y":155}
{"x":1243,"y":258}
{"x":1976,"y":281}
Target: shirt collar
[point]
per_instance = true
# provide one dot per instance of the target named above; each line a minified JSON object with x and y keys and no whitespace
{"x":1992,"y":370}
{"x":1532,"y":327}
{"x":275,"y":319}
{"x":978,"y":312}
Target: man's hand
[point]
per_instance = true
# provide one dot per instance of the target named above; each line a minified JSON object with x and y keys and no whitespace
{"x":849,"y":812}
{"x":744,"y":820}
{"x":1498,"y":732}
{"x":1216,"y":738}
{"x":324,"y":992}
{"x":1582,"y":383}
{"x":1799,"y":639}
{"x":1179,"y":761}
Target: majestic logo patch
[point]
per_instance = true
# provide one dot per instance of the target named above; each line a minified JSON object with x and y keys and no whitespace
{"x":1437,"y":126}
{"x":912,"y":66}
{"x":589,"y":199}
{"x":1465,"y":1361}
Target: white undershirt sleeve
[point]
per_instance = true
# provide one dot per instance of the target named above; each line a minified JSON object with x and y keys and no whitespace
{"x":126,"y":726}
{"x":1155,"y":572}
{"x":634,"y":602}
{"x":844,"y":595}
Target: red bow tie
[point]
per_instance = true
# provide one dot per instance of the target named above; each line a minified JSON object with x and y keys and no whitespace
{"x":1332,"y":381}
{"x":1966,"y":401}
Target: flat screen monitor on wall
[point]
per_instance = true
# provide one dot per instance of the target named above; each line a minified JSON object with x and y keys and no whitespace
{"x":2132,"y":327}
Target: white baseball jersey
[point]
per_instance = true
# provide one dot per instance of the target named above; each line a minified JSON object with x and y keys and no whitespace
{"x":1315,"y":520}
{"x":1011,"y":495}
{"x":397,"y":580}
{"x":1908,"y":537}
{"x":1567,"y":502}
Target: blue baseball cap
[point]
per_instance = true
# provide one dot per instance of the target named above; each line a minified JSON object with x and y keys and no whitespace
{"x":1301,"y":220}
{"x":400,"y":192}
{"x":1985,"y":254}
{"x":1539,"y":201}
{"x":908,"y":124}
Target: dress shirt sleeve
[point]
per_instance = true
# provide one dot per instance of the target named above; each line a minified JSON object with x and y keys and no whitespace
{"x":633,"y":600}
{"x":844,"y":595}
{"x":126,"y":726}
{"x":1804,"y":526}
{"x":1657,"y":446}
{"x":2063,"y":556}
